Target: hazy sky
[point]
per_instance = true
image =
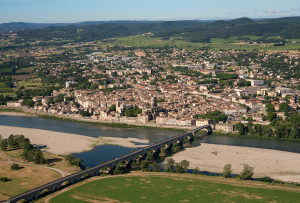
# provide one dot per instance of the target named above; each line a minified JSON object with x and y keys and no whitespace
{"x":50,"y":11}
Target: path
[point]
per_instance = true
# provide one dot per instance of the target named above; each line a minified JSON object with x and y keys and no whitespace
{"x":224,"y":180}
{"x":15,"y":162}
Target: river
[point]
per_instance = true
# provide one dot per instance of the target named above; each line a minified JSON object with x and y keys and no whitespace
{"x":108,"y":152}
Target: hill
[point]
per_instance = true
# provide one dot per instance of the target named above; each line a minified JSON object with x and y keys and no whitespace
{"x":287,"y":28}
{"x":103,"y":31}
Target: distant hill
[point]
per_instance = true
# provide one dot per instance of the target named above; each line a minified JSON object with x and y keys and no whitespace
{"x":285,"y":19}
{"x":104,"y":30}
{"x":15,"y":26}
{"x":287,"y":28}
{"x":191,"y":30}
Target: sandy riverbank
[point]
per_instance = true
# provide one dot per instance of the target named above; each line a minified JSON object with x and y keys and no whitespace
{"x":66,"y":143}
{"x":273,"y":163}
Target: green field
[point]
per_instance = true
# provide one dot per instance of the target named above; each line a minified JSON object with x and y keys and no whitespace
{"x":216,"y":43}
{"x":170,"y":189}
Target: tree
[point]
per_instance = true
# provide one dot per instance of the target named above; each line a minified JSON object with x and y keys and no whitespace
{"x":281,"y":131}
{"x":240,"y":127}
{"x":28,"y":102}
{"x":247,"y":172}
{"x":178,"y":168}
{"x":283,"y":107}
{"x":295,"y":132}
{"x":157,"y":168}
{"x":271,"y":116}
{"x":144,"y":165}
{"x":270,"y":108}
{"x":250,"y":128}
{"x":249,"y":118}
{"x":112,"y":107}
{"x":3,"y":145}
{"x":12,"y":142}
{"x":185,"y":164}
{"x":163,"y":151}
{"x":14,"y":167}
{"x":72,"y":160}
{"x":176,"y":147}
{"x":227,"y":170}
{"x":258,"y":129}
{"x":196,"y":171}
{"x":118,"y":170}
{"x":170,"y":165}
{"x":150,"y":156}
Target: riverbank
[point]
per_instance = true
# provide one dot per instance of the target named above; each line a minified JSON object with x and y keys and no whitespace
{"x":29,"y":112}
{"x":66,"y":143}
{"x":276,"y":164}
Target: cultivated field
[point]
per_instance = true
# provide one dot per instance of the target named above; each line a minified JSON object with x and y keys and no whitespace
{"x":169,"y":188}
{"x":216,"y":43}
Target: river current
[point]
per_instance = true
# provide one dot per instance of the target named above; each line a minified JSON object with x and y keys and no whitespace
{"x":108,"y":152}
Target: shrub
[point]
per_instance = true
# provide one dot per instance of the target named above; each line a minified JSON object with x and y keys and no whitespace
{"x":196,"y":171}
{"x":3,"y":179}
{"x":15,"y":167}
{"x":247,"y":172}
{"x":170,"y":165}
{"x":178,"y":168}
{"x":185,"y":164}
{"x":226,"y":171}
{"x":157,"y":168}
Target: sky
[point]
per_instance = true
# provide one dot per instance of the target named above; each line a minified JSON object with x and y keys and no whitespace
{"x":69,"y":11}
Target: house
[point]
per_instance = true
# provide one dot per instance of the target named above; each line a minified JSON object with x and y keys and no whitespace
{"x":190,"y":122}
{"x":225,"y":127}
{"x":203,"y":122}
{"x":14,"y":104}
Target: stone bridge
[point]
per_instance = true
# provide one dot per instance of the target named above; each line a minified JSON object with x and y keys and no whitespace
{"x":96,"y":170}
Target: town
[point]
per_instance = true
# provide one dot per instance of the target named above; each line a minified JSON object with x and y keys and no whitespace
{"x":164,"y":87}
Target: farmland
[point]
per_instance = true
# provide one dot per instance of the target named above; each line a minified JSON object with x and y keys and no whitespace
{"x":216,"y":43}
{"x":141,"y":188}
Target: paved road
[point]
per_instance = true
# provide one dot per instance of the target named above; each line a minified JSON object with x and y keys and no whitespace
{"x":15,"y":162}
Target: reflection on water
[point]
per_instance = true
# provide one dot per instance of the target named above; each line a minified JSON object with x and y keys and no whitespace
{"x":108,"y":152}
{"x":102,"y":154}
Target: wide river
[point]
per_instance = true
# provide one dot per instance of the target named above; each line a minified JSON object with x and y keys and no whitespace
{"x":108,"y":152}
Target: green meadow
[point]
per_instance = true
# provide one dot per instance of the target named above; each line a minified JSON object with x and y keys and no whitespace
{"x":170,"y":189}
{"x":215,"y":44}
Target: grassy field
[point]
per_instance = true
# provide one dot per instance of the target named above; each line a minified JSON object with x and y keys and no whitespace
{"x":216,"y":43}
{"x":30,"y":83}
{"x":56,"y":161}
{"x":27,"y":178}
{"x":171,"y":189}
{"x":8,"y":93}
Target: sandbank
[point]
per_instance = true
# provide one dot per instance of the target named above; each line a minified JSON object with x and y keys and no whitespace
{"x":66,"y":143}
{"x":276,"y":164}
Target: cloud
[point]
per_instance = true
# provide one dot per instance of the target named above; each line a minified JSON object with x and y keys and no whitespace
{"x":296,"y":9}
{"x":273,"y":11}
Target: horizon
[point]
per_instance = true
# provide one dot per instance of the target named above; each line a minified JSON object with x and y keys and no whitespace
{"x":33,"y":11}
{"x":145,"y":20}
